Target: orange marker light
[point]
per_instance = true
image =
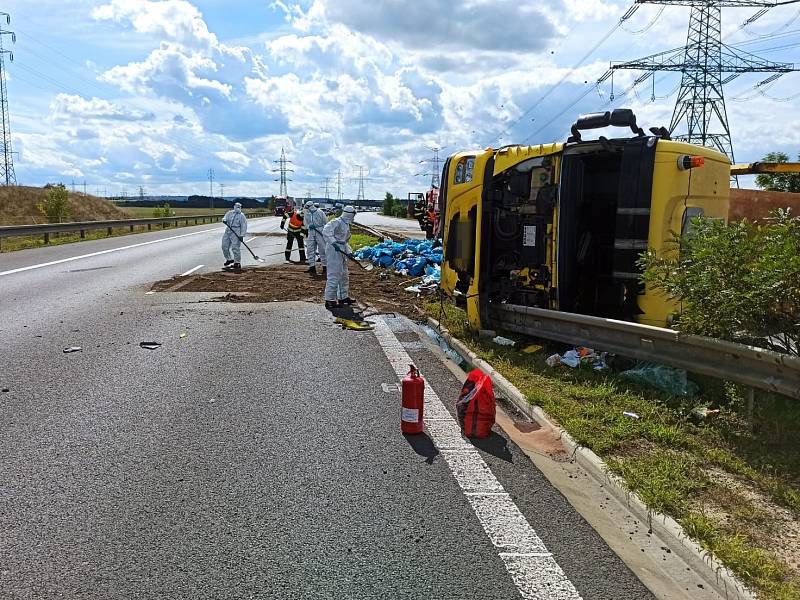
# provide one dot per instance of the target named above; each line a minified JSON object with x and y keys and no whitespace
{"x":686,"y":162}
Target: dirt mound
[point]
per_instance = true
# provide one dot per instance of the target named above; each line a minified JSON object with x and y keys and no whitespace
{"x":282,"y":283}
{"x":19,"y":206}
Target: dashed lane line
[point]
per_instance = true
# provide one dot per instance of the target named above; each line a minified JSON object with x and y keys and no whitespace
{"x":531,"y":566}
{"x":190,"y":271}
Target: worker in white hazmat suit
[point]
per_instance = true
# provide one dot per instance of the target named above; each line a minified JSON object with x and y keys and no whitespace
{"x":337,"y":234}
{"x":235,"y":231}
{"x":314,"y":221}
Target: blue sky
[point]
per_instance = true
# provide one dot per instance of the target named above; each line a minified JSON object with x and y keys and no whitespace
{"x":153,"y":93}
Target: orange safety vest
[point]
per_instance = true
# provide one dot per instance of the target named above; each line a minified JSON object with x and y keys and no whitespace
{"x":295,"y":221}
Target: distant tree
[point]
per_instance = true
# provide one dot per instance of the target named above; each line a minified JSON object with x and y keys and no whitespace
{"x":388,"y":204}
{"x":163,"y":211}
{"x":778,"y":182}
{"x":56,"y":204}
{"x":399,"y":210}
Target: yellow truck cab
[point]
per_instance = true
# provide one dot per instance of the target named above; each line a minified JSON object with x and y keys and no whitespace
{"x":561,"y":226}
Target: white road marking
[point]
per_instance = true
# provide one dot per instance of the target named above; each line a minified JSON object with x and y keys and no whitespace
{"x":149,"y":293}
{"x":190,"y":271}
{"x":250,"y":240}
{"x":65,"y":260}
{"x":531,"y":566}
{"x":72,"y":258}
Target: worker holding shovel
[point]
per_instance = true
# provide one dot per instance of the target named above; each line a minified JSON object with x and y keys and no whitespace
{"x":232,"y":238}
{"x":337,"y":234}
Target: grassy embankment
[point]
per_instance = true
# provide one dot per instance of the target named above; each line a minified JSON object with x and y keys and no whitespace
{"x":19,"y":206}
{"x":735,"y":492}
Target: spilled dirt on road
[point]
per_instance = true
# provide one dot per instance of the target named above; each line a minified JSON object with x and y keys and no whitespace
{"x":283,"y":283}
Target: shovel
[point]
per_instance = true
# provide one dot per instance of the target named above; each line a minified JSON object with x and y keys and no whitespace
{"x":367,"y":267}
{"x":245,"y":244}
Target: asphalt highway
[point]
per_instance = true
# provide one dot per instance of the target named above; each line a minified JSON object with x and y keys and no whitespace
{"x":255,"y":453}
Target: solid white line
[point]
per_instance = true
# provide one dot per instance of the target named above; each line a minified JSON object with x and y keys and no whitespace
{"x":531,"y":566}
{"x":65,"y":260}
{"x":250,"y":240}
{"x":190,"y":271}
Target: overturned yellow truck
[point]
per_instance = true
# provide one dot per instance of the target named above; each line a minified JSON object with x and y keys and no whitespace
{"x":561,"y":226}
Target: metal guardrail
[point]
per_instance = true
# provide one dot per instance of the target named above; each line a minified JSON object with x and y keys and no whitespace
{"x":747,"y":365}
{"x":83,"y":226}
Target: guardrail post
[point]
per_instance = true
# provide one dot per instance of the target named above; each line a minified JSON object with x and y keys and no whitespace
{"x":46,"y":238}
{"x":109,"y":230}
{"x":131,"y":228}
{"x":751,"y":395}
{"x":149,"y":227}
{"x":83,"y":234}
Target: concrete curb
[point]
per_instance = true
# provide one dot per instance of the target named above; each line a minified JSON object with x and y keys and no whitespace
{"x":723,"y":581}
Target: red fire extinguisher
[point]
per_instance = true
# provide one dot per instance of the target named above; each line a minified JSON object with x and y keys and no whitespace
{"x":413,"y":402}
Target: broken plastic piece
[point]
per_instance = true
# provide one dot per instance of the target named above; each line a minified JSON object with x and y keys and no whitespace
{"x":532,"y":349}
{"x":149,"y":345}
{"x":72,"y":349}
{"x":503,"y":341}
{"x":632,"y":415}
{"x":183,"y":334}
{"x":668,"y":379}
{"x":354,"y":325}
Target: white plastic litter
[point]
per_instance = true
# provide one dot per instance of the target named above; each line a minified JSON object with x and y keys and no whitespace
{"x":503,"y":341}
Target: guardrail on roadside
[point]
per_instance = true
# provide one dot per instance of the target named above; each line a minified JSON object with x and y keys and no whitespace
{"x":754,"y":367}
{"x":83,"y":226}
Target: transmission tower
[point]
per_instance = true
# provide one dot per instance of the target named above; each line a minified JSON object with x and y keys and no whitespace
{"x":706,"y":64}
{"x":283,"y":170}
{"x":211,"y":187}
{"x":435,"y":164}
{"x":339,"y":186}
{"x":326,"y":189}
{"x":361,"y":178}
{"x":7,"y":174}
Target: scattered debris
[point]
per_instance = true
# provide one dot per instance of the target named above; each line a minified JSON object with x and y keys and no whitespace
{"x":354,"y":325}
{"x":149,"y":345}
{"x":577,"y":356}
{"x":632,"y":415}
{"x":503,"y":341}
{"x":700,"y":414}
{"x":285,"y":283}
{"x":5,"y":390}
{"x":184,"y":334}
{"x":409,"y":257}
{"x":532,"y":349}
{"x":72,"y":349}
{"x":670,"y":380}
{"x":451,"y":354}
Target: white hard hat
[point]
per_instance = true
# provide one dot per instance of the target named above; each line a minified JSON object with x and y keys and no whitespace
{"x":349,"y":209}
{"x":309,"y":204}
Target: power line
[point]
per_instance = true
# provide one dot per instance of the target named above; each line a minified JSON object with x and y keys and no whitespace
{"x":703,"y":63}
{"x":627,"y":15}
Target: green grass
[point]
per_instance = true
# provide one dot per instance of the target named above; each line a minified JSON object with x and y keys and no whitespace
{"x":754,"y":566}
{"x":359,"y":240}
{"x":146,"y":212}
{"x":664,"y":456}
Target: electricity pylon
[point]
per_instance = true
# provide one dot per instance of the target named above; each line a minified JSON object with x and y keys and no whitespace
{"x":706,"y":64}
{"x":7,"y":174}
{"x":283,"y":169}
